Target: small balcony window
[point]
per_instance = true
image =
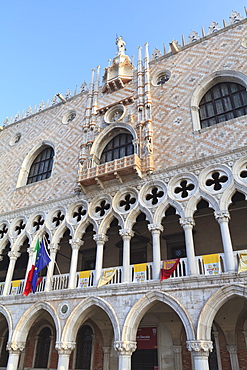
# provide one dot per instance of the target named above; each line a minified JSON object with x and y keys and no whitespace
{"x":120,"y":146}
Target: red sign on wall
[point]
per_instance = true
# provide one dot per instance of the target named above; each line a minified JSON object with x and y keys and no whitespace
{"x":146,"y":338}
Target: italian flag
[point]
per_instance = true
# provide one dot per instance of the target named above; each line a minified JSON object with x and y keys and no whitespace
{"x":28,"y":285}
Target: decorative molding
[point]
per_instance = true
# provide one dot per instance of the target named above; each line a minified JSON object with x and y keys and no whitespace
{"x":202,"y":347}
{"x":15,"y":347}
{"x":65,"y":348}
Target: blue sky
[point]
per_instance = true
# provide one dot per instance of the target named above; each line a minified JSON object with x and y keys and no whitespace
{"x":48,"y":46}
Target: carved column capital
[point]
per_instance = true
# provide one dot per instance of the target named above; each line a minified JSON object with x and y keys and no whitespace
{"x":125,"y":347}
{"x":222,"y":216}
{"x":13,"y":255}
{"x":76,"y":243}
{"x":100,"y":238}
{"x":54,"y":247}
{"x":65,"y":348}
{"x":187,"y":222}
{"x":232,"y":349}
{"x":177,"y":349}
{"x":200,"y":347}
{"x":126,"y":233}
{"x":106,"y":350}
{"x":15,"y":347}
{"x":155,"y":228}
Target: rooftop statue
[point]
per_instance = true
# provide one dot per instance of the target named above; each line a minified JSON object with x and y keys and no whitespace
{"x":120,"y":45}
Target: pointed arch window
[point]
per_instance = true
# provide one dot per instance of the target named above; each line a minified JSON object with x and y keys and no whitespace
{"x":120,"y":146}
{"x":224,"y":101}
{"x":84,"y":348}
{"x":41,"y":167}
{"x":43,"y":348}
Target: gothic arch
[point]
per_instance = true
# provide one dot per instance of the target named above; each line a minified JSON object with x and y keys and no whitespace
{"x":142,"y":306}
{"x":105,"y":223}
{"x":206,"y":84}
{"x":105,"y":136}
{"x":8,"y":318}
{"x":131,"y":219}
{"x":28,"y":318}
{"x":212,"y":306}
{"x":162,"y":208}
{"x":82,"y":313}
{"x":81,"y":228}
{"x":28,"y":160}
{"x":193,"y":202}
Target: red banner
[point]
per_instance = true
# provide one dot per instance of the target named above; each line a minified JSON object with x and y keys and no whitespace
{"x":146,"y":338}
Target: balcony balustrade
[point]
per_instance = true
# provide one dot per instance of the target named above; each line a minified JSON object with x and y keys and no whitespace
{"x":110,"y":170}
{"x":61,"y":282}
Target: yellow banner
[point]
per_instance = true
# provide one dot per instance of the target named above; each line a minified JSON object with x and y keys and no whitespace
{"x":16,"y":283}
{"x":106,"y":277}
{"x":242,"y":262}
{"x":140,"y":267}
{"x":84,"y":274}
{"x":211,"y":258}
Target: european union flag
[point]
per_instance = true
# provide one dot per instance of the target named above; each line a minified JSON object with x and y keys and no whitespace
{"x":42,"y":260}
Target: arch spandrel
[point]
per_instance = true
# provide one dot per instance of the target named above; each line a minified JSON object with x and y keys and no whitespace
{"x":212,"y":306}
{"x":28,"y":318}
{"x":82,"y":312}
{"x":144,"y":304}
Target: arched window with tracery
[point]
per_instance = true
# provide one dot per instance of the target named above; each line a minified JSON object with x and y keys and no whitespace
{"x":43,"y":348}
{"x":120,"y":146}
{"x":41,"y":167}
{"x":222,"y":102}
{"x":84,"y":343}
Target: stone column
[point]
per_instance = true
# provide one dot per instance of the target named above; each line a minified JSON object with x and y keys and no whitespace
{"x":106,"y":363}
{"x":75,"y":245}
{"x":187,"y":223}
{"x":232,"y":349}
{"x":126,"y":235}
{"x":125,"y":350}
{"x":200,"y":351}
{"x":64,"y":351}
{"x":49,"y":277}
{"x":223,"y":218}
{"x":245,"y":337}
{"x":15,"y":350}
{"x":13,"y":255}
{"x":100,"y":241}
{"x":30,"y":260}
{"x":177,"y":350}
{"x":156,"y":229}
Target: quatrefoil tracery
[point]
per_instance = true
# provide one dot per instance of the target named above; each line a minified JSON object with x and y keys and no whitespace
{"x":155,"y":195}
{"x":217,"y":180}
{"x":21,"y":226}
{"x":78,"y":215}
{"x":3,"y":231}
{"x":129,"y":200}
{"x":38,"y":223}
{"x":102,"y":208}
{"x":58,"y":218}
{"x":184,"y":188}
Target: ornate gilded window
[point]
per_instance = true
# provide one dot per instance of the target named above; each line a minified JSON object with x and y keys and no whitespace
{"x":224,"y":101}
{"x":41,"y":167}
{"x":120,"y":146}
